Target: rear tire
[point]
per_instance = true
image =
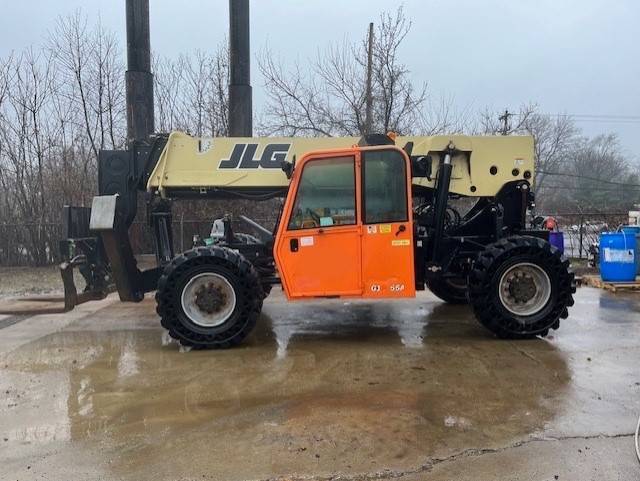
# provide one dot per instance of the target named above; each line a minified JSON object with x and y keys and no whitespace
{"x":209,"y":297}
{"x":451,"y":291}
{"x":520,"y":287}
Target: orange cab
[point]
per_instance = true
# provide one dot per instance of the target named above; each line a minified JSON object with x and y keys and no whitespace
{"x":346,"y":228}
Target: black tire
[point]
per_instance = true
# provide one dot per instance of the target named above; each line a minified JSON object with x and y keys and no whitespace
{"x":451,"y":291}
{"x":495,"y":261}
{"x":240,"y":275}
{"x":266,"y":290}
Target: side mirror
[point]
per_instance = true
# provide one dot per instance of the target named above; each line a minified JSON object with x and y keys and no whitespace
{"x":408,"y":148}
{"x":422,"y":166}
{"x":538,"y":220}
{"x":288,"y":168}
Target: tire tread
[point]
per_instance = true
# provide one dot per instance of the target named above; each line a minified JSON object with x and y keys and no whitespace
{"x":483,"y":301}
{"x":167,"y":304}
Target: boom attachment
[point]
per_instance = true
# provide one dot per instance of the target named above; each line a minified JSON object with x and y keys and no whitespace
{"x":108,"y":221}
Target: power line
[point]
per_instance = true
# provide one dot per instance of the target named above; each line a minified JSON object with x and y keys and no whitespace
{"x":567,"y":114}
{"x":607,"y":116}
{"x":603,"y":118}
{"x":586,"y":177}
{"x":609,"y":121}
{"x":597,"y":189}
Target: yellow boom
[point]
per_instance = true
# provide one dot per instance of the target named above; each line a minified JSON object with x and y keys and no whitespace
{"x":483,"y":166}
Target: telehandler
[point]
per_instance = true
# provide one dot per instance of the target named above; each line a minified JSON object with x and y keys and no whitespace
{"x":367,"y":217}
{"x":371,"y":217}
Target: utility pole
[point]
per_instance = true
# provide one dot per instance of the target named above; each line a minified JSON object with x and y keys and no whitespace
{"x":504,"y":118}
{"x":368,"y":122}
{"x":240,"y":94}
{"x":139,"y":80}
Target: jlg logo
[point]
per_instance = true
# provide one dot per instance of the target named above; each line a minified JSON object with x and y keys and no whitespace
{"x":242,"y":157}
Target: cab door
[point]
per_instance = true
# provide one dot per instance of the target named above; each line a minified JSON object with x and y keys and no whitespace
{"x":318,"y":246}
{"x":387,"y":231}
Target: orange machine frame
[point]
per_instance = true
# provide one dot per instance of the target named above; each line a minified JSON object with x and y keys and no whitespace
{"x":380,"y":264}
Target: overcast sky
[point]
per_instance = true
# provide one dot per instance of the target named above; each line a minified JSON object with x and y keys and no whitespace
{"x":569,"y":56}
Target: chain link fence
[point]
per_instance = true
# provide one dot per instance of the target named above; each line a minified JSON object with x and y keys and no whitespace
{"x":582,"y":229}
{"x":37,"y":244}
{"x":33,"y":244}
{"x":29,"y":244}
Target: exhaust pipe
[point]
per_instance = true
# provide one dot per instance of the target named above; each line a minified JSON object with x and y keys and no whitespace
{"x":240,"y":94}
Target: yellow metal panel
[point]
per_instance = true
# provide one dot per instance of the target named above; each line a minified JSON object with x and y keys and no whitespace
{"x":244,"y":163}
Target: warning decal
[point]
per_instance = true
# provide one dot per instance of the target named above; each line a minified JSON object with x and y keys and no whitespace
{"x":306,"y":241}
{"x":401,"y":243}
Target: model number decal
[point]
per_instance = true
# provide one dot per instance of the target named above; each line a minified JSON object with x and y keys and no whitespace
{"x":393,"y":288}
{"x":242,"y":157}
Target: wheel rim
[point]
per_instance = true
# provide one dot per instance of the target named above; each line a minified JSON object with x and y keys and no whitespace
{"x":524,"y":289}
{"x":208,"y":300}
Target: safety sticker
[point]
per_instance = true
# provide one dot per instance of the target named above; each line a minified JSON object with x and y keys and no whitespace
{"x":372,"y":229}
{"x":401,"y":243}
{"x":385,"y":229}
{"x":306,"y":241}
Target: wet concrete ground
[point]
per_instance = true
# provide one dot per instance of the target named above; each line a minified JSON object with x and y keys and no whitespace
{"x":407,"y":390}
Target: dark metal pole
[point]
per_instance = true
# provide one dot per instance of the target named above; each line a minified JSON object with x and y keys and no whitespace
{"x":369,"y":104}
{"x":441,"y":200}
{"x":240,"y":94}
{"x":139,"y":80}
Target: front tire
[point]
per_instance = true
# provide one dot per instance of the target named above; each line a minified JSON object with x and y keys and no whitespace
{"x":209,"y":297}
{"x":520,"y":287}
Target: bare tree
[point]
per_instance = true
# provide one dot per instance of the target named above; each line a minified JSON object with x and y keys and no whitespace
{"x":59,"y":105}
{"x":191,"y":92}
{"x":90,"y":64}
{"x":554,"y":137}
{"x":328,"y":96}
{"x":168,"y":81}
{"x":595,"y":177}
{"x":598,"y":173}
{"x":25,"y":143}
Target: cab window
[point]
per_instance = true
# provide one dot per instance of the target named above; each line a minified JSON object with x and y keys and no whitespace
{"x":326,"y":194}
{"x":384,"y":187}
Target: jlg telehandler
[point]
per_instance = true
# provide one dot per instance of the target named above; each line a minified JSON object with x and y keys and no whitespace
{"x":367,"y":217}
{"x":362,"y":218}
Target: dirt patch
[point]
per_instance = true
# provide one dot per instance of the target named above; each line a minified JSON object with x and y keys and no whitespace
{"x":20,"y":281}
{"x":29,"y":281}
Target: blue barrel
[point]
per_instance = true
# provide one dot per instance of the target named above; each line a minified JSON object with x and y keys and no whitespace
{"x":556,"y":239}
{"x":617,"y":257}
{"x":634,"y":230}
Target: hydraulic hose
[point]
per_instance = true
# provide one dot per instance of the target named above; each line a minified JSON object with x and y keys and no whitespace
{"x":442,"y":196}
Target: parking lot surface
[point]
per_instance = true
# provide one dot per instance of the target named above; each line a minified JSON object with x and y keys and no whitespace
{"x":335,"y":389}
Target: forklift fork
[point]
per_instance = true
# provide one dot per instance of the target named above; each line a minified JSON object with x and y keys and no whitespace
{"x":69,"y":301}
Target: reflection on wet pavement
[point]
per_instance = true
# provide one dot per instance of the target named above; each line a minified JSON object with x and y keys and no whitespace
{"x":321,"y":387}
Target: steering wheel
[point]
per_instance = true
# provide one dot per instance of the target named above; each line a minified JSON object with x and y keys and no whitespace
{"x":314,"y":216}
